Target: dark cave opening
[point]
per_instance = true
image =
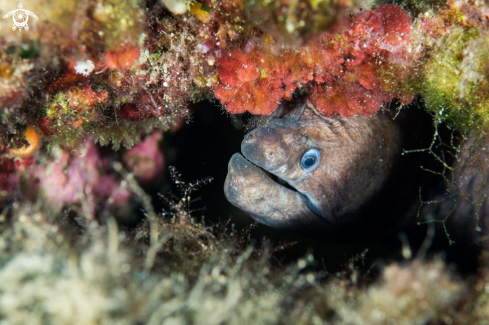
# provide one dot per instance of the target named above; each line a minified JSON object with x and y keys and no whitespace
{"x":203,"y":147}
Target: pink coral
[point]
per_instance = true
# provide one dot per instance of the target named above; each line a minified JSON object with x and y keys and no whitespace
{"x":396,"y":24}
{"x":146,"y":159}
{"x":76,"y":179}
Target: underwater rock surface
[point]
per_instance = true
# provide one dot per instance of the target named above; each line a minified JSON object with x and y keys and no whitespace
{"x":94,"y":96}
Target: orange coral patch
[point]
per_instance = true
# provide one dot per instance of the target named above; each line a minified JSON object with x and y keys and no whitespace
{"x":78,"y":123}
{"x":33,"y":138}
{"x":348,"y":99}
{"x":122,"y":57}
{"x":343,"y":72}
{"x":236,"y":68}
{"x":259,"y":96}
{"x":86,"y":97}
{"x":366,"y":75}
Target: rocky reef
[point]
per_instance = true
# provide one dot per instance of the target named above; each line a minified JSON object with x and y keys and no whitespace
{"x":91,"y":90}
{"x":110,"y":71}
{"x":181,"y":271}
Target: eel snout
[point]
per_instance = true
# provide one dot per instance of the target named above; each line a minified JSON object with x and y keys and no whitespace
{"x":250,"y":189}
{"x":243,"y":185}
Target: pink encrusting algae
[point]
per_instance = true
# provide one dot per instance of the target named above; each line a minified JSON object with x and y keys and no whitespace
{"x":146,"y":159}
{"x":342,"y":72}
{"x":80,"y":180}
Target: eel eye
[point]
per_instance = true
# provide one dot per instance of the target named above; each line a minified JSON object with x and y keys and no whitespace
{"x":310,"y":160}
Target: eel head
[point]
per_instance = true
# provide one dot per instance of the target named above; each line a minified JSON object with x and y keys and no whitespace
{"x":305,"y":172}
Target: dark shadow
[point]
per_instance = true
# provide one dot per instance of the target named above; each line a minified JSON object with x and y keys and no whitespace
{"x":204,"y":145}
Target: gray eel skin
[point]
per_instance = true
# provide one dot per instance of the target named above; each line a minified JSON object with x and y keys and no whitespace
{"x":356,"y":157}
{"x":363,"y":188}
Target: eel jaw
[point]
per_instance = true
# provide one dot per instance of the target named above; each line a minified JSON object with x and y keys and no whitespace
{"x":250,"y":189}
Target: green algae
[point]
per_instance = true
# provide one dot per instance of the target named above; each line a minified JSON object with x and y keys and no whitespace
{"x":128,"y":133}
{"x":455,"y":78}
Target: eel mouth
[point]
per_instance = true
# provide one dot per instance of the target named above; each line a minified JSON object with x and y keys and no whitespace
{"x":275,"y":178}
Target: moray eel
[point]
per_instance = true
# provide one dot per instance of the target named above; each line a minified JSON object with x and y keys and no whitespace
{"x":347,"y":180}
{"x":329,"y":168}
